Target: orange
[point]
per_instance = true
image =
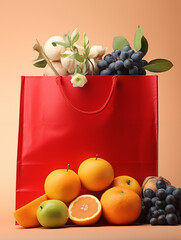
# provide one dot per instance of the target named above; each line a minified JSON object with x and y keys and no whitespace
{"x":63,"y":185}
{"x":26,"y":215}
{"x":96,"y":174}
{"x":127,"y":181}
{"x":85,"y":210}
{"x":121,"y":205}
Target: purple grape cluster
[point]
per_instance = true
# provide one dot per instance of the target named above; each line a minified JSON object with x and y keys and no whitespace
{"x":162,"y":208}
{"x":125,"y":62}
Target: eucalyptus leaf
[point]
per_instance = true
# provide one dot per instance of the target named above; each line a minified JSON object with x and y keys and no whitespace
{"x":76,"y":38}
{"x":119,"y":42}
{"x":78,"y":69}
{"x":40,"y":64}
{"x":85,"y":40}
{"x":77,"y":56}
{"x":159,"y":65}
{"x":137,"y":38}
{"x":73,"y":34}
{"x":40,"y":56}
{"x":60,"y":43}
{"x":78,"y":46}
{"x":144,"y":46}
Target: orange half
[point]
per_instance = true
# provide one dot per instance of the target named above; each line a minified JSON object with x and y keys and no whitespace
{"x":85,"y":210}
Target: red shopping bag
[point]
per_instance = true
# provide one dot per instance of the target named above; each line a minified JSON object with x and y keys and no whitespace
{"x":115,"y":117}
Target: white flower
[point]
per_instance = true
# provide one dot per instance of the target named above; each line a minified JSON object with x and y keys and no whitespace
{"x":78,"y":80}
{"x":97,"y":51}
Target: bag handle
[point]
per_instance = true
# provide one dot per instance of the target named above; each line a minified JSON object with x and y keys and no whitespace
{"x":114,"y":81}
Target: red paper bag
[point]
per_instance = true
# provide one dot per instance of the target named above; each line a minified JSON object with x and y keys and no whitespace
{"x":115,"y":117}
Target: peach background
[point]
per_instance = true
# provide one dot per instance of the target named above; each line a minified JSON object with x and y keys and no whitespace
{"x":21,"y":22}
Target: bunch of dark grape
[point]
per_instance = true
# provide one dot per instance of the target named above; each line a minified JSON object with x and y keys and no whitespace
{"x":162,"y":208}
{"x":125,"y":62}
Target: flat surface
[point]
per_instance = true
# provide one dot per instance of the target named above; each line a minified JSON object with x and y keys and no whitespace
{"x":99,"y":232}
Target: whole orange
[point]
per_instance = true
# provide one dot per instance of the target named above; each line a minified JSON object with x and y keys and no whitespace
{"x":121,"y":205}
{"x":63,"y":185}
{"x":96,"y":174}
{"x":127,"y":181}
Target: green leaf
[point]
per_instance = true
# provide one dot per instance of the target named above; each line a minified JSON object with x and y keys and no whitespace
{"x":144,"y":46}
{"x":76,"y":38}
{"x":85,"y":67}
{"x":77,"y":56}
{"x":73,"y":34}
{"x":40,"y":56}
{"x":87,"y":51}
{"x":85,"y":40}
{"x":137,"y":38}
{"x":66,"y":38}
{"x":60,"y":43}
{"x":64,"y":55}
{"x":40,"y":64}
{"x":119,"y":42}
{"x":78,"y":69}
{"x":78,"y":46}
{"x":158,"y":65}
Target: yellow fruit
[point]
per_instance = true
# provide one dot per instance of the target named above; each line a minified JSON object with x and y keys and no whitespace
{"x":127,"y":181}
{"x":26,"y":215}
{"x":96,"y":174}
{"x":63,"y":185}
{"x":85,"y":210}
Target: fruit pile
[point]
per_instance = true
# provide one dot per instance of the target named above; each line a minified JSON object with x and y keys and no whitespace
{"x":120,"y":202}
{"x":62,"y":198}
{"x":162,"y":206}
{"x":65,"y":57}
{"x":125,"y":62}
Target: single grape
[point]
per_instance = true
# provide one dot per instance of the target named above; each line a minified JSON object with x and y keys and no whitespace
{"x":117,"y":52}
{"x":162,"y":220}
{"x":170,"y":208}
{"x":105,"y":72}
{"x":119,"y":65}
{"x":154,"y":199}
{"x":124,"y":55}
{"x":133,"y":71}
{"x":149,"y":193}
{"x":171,"y":219}
{"x":147,"y":202}
{"x":161,"y":194}
{"x":126,"y":48}
{"x":160,"y":183}
{"x":143,"y":209}
{"x":170,"y":189}
{"x":177,"y":193}
{"x":130,"y":52}
{"x":114,"y":55}
{"x":170,"y":199}
{"x":102,"y":64}
{"x":143,"y":63}
{"x":161,"y":211}
{"x":155,"y":214}
{"x":137,"y":56}
{"x":128,"y":63}
{"x":160,"y":204}
{"x":152,"y":209}
{"x":112,"y":67}
{"x":153,"y":221}
{"x":108,"y":58}
{"x":142,"y":71}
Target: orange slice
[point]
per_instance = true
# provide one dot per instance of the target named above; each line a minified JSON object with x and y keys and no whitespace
{"x":26,"y":215}
{"x":85,"y":210}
